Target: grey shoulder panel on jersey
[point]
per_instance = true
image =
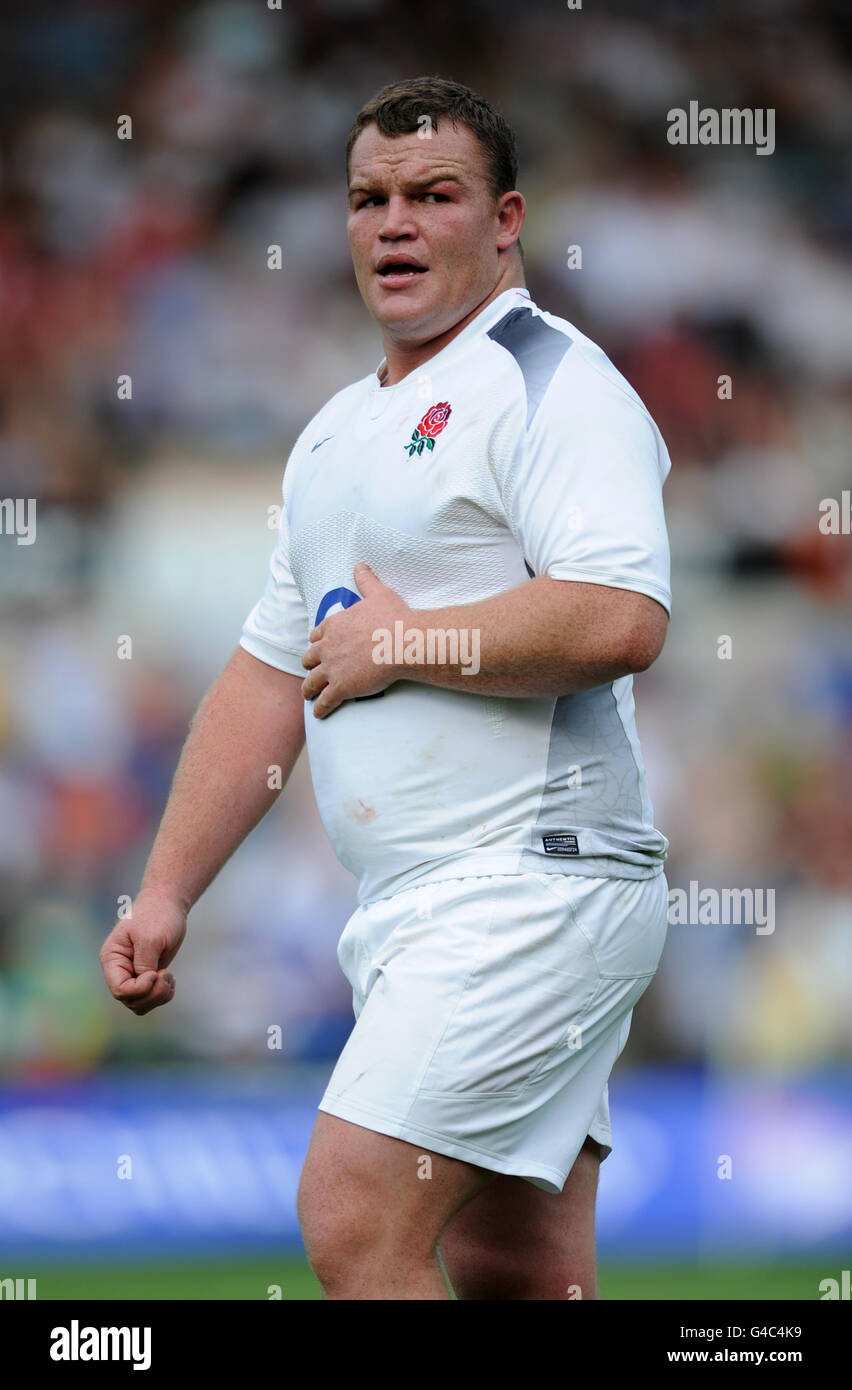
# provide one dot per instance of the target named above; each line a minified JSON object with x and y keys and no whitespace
{"x":536,"y":347}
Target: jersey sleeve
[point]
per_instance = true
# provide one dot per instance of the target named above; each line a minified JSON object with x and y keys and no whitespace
{"x":276,"y":630}
{"x":583,"y":490}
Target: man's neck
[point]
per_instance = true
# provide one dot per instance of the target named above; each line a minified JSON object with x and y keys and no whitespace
{"x":402,"y":358}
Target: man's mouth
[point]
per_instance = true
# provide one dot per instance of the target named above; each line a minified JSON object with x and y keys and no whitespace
{"x":396,"y":273}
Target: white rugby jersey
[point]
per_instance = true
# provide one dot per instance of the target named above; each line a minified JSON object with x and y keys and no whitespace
{"x":516,"y":450}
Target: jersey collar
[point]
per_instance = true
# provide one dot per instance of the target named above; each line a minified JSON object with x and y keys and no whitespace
{"x":491,"y":314}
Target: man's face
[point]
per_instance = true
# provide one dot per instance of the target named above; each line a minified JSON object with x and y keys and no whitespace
{"x":423,"y":204}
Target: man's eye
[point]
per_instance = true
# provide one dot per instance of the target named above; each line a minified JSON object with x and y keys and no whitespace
{"x":443,"y":197}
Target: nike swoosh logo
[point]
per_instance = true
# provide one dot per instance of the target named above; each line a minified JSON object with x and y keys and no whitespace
{"x":322,"y":441}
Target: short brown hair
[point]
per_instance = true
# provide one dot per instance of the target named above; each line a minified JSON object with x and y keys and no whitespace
{"x":398,"y":109}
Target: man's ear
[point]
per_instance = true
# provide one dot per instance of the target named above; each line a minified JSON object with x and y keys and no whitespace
{"x":511,"y":210}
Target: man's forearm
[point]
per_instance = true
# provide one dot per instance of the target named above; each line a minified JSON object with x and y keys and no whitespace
{"x":251,"y":719}
{"x":547,"y":637}
{"x":528,"y":641}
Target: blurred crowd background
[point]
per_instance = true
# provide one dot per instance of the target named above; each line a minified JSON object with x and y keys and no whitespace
{"x":148,"y":257}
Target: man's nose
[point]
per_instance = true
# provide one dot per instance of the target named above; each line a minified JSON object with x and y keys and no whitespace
{"x":398,"y":219}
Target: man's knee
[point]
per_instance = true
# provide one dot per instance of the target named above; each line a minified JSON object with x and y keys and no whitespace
{"x":341,"y":1227}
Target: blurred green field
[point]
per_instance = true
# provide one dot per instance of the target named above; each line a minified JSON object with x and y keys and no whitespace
{"x":251,"y":1278}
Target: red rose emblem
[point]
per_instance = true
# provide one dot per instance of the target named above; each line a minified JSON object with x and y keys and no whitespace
{"x":435,"y":419}
{"x":429,"y":428}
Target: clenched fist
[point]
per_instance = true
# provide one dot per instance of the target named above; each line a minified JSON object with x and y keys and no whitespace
{"x":136,"y":952}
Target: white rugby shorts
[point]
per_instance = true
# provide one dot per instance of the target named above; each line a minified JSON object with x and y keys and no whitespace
{"x":490,"y":1011}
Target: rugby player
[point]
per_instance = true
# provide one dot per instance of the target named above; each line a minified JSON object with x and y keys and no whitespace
{"x":471,"y":564}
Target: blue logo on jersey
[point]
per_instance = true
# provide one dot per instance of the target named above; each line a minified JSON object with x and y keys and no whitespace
{"x":346,"y":598}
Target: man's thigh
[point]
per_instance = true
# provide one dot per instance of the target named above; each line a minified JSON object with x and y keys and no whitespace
{"x":361,"y":1188}
{"x":514,"y":1241}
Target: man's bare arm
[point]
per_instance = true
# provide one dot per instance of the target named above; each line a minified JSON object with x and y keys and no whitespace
{"x":545,"y":637}
{"x":251,"y":718}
